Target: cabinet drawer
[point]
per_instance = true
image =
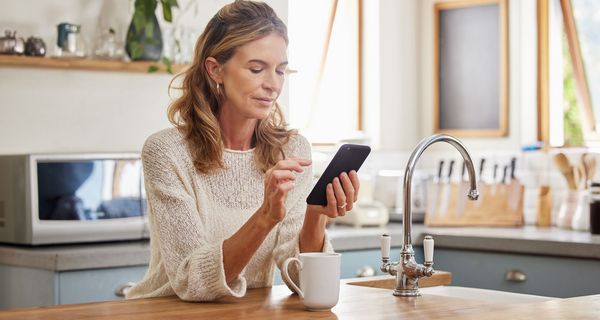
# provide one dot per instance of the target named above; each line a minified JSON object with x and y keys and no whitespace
{"x":546,"y":276}
{"x":95,"y":285}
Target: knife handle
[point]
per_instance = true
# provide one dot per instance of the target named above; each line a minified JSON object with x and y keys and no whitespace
{"x":495,"y":173}
{"x":441,"y":167}
{"x":450,"y":168}
{"x":513,"y":165}
{"x":481,"y":165}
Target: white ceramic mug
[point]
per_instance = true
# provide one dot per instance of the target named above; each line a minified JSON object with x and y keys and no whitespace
{"x":319,"y":279}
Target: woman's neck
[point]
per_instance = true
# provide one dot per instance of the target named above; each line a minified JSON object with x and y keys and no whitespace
{"x":237,"y":132}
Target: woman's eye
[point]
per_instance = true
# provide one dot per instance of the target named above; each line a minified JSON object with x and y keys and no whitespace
{"x":255,"y":70}
{"x":281,"y":72}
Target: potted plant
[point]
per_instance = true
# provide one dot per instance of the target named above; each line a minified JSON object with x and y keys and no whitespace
{"x":144,"y":38}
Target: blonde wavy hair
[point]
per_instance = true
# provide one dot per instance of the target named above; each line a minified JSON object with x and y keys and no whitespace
{"x":195,"y":112}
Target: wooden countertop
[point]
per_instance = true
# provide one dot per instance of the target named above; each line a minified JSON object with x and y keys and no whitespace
{"x":356,"y":302}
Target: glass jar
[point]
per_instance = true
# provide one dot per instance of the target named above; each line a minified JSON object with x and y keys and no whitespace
{"x":595,"y":208}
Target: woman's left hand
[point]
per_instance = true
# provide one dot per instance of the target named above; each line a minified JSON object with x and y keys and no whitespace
{"x":342,"y":193}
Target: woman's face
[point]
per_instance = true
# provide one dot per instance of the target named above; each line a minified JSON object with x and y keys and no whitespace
{"x":253,"y":77}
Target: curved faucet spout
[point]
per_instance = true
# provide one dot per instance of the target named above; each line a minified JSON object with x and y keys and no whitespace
{"x":412,"y":161}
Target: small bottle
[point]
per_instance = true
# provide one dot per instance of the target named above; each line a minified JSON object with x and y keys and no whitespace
{"x":544,"y":207}
{"x":595,"y":208}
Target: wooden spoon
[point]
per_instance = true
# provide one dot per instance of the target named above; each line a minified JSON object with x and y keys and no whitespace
{"x":584,"y":167}
{"x":590,"y":165}
{"x":562,"y":163}
{"x":583,"y":175}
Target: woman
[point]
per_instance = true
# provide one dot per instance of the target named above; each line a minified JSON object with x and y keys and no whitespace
{"x":227,"y":187}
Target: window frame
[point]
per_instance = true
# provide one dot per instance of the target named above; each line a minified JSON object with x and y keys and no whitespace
{"x":359,"y":66}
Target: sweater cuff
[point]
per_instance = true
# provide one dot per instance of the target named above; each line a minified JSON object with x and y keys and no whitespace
{"x":237,"y":287}
{"x":207,"y":276}
{"x":327,"y":247}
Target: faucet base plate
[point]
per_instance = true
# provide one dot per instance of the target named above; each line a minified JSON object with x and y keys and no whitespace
{"x":407,"y":293}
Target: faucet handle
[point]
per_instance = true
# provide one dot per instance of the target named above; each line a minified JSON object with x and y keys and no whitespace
{"x":386,"y":242}
{"x":428,"y":249}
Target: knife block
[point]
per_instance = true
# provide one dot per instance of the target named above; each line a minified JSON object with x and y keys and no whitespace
{"x":499,"y":205}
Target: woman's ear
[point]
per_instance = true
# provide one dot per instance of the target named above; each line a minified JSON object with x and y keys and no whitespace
{"x":213,"y":67}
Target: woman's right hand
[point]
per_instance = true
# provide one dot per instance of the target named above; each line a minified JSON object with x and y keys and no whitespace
{"x":279,"y":180}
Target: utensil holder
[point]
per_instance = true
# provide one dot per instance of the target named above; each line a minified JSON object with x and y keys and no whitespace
{"x":499,"y":205}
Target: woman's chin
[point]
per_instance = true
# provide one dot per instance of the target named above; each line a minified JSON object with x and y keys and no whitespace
{"x":261,"y":114}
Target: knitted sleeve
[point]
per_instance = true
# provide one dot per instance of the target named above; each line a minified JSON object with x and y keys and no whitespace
{"x":288,"y":233}
{"x":192,"y":260}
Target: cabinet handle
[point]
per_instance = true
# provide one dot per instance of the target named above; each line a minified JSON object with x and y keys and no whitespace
{"x":365,"y":271}
{"x":515,"y":276}
{"x":122,"y":289}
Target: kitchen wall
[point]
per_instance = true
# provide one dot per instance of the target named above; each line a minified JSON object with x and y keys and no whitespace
{"x":45,"y":110}
{"x":74,"y":111}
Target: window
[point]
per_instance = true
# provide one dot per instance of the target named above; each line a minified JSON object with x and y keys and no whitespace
{"x":569,"y":84}
{"x":324,"y":54}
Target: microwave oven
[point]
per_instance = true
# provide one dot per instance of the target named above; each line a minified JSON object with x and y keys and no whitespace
{"x":71,"y":198}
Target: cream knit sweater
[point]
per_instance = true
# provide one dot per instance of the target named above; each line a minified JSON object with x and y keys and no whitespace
{"x":191,"y":214}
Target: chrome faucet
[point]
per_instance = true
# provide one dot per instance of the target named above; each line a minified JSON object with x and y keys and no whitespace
{"x":407,"y":270}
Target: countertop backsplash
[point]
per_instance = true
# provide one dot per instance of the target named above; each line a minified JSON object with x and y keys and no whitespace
{"x":533,"y":169}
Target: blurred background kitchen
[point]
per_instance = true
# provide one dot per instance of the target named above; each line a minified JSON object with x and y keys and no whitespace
{"x":84,"y":82}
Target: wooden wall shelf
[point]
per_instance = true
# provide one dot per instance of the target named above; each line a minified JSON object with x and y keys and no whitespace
{"x":84,"y":64}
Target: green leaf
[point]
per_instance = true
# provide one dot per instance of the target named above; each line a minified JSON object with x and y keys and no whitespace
{"x":139,"y":21}
{"x":168,"y":64}
{"x":145,"y":8}
{"x":136,"y":49}
{"x":167,"y":14}
{"x":152,"y":68}
{"x":170,"y":3}
{"x":150,"y":8}
{"x":149,"y":30}
{"x":151,"y":41}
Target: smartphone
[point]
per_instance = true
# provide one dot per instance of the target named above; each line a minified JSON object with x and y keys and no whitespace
{"x":349,"y":157}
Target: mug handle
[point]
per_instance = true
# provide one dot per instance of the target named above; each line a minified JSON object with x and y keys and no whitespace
{"x":286,"y":276}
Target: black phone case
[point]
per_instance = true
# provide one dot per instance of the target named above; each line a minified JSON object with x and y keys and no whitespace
{"x":349,"y":157}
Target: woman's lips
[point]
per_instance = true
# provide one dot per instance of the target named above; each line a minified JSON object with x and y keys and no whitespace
{"x":264,"y":101}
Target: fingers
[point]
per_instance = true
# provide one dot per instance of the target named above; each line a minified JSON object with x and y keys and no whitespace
{"x":331,"y":209}
{"x":355,"y":183}
{"x":283,"y":175}
{"x":292,"y":164}
{"x":283,"y":188}
{"x":340,"y":197}
{"x":302,"y":161}
{"x":348,"y":190}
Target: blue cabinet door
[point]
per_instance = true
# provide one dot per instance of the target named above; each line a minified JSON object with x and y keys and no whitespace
{"x":547,"y":276}
{"x":97,"y":284}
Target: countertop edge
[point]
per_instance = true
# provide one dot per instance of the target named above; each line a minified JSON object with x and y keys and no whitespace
{"x":528,"y":240}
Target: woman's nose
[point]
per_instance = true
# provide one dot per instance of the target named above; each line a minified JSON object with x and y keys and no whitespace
{"x":272,"y":81}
